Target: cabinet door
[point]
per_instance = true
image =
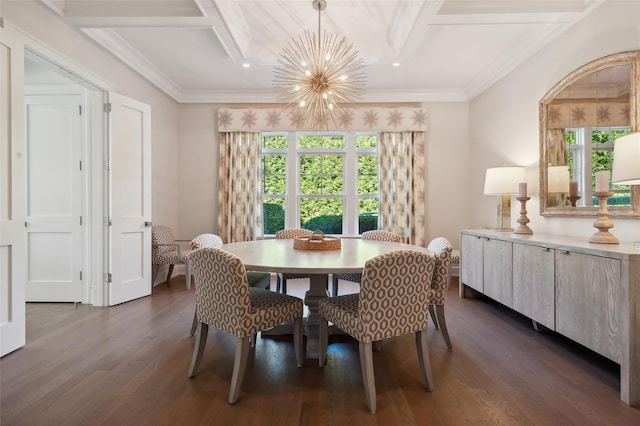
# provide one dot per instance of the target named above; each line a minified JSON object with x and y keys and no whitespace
{"x":471,"y":262}
{"x":533,"y":285}
{"x":588,"y":297}
{"x":498,"y":269}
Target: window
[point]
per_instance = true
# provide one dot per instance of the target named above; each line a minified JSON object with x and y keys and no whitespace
{"x":591,"y":150}
{"x":320,"y":181}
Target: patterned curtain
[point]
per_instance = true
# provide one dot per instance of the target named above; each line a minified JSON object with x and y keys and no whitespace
{"x":402,"y":185}
{"x":240,"y":197}
{"x":557,"y":147}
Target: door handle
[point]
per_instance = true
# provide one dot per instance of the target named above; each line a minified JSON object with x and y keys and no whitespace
{"x":148,"y":224}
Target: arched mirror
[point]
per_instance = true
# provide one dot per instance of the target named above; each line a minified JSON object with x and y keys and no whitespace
{"x":580,"y":119}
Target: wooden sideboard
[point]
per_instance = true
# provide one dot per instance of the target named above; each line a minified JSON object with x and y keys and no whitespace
{"x":587,"y":292}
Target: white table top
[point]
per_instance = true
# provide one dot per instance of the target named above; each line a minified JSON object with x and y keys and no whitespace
{"x":280,"y":256}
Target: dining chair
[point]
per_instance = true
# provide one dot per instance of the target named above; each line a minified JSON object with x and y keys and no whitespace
{"x":165,"y":251}
{"x":225,"y":301}
{"x":393,"y":301}
{"x":256,"y":279}
{"x":441,"y":249}
{"x":376,"y":235}
{"x":291,"y":233}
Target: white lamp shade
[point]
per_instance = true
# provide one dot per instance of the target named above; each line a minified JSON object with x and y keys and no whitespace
{"x":503,"y":180}
{"x":558,"y":179}
{"x":626,"y":160}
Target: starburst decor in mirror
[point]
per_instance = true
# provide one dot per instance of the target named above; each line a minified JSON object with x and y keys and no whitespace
{"x":316,"y":75}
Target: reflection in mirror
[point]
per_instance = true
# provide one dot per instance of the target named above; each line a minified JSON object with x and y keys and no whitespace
{"x":580,"y":119}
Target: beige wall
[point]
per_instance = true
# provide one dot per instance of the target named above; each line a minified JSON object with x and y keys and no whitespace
{"x":504,"y":119}
{"x":35,"y":20}
{"x":446,"y":158}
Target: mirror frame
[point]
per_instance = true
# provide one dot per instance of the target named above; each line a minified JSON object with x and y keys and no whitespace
{"x":625,"y":58}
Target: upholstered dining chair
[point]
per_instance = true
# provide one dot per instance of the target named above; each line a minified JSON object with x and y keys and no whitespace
{"x":165,"y":251}
{"x":441,"y":249}
{"x":376,"y":235}
{"x":291,"y":233}
{"x":256,"y":279}
{"x":225,"y":301}
{"x":393,"y":300}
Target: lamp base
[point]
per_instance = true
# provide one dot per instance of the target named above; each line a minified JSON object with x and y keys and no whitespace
{"x":504,"y":214}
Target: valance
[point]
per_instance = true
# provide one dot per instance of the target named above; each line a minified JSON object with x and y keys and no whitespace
{"x":588,"y":114}
{"x":356,"y":119}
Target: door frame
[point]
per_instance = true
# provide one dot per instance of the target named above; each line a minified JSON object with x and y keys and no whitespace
{"x":96,"y":90}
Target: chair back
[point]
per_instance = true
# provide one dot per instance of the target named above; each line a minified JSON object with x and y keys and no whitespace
{"x":394,"y":294}
{"x":205,"y":240}
{"x":161,"y":234}
{"x":441,"y":249}
{"x":293,"y":233}
{"x":222,"y":293}
{"x":378,"y":235}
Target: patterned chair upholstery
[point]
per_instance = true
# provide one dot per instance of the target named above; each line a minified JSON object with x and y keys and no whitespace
{"x":290,"y":234}
{"x":393,"y":301}
{"x":224,"y":300}
{"x":441,"y":249}
{"x":454,"y":266}
{"x":165,"y":251}
{"x":375,"y":235}
{"x":256,"y":279}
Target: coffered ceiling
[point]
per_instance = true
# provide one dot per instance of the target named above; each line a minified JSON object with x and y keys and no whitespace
{"x":447,"y":50}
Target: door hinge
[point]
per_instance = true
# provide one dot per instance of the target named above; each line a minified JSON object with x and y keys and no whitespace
{"x":107,"y":277}
{"x":108,"y":221}
{"x":107,"y":107}
{"x":107,"y":165}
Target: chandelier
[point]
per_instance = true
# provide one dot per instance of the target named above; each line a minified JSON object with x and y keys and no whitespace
{"x":316,"y":75}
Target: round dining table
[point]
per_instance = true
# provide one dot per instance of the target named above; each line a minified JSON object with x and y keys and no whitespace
{"x":278,"y":255}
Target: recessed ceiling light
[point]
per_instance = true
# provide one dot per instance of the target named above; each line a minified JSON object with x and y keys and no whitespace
{"x":246,"y":65}
{"x":396,"y":64}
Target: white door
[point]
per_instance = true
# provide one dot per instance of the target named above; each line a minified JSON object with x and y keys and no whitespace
{"x":130,"y":199}
{"x":12,"y":198}
{"x":54,"y":198}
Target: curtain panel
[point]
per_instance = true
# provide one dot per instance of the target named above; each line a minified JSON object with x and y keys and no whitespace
{"x":402,"y":185}
{"x":239,"y":195}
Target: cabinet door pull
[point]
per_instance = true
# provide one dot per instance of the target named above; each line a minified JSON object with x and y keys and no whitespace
{"x":546,"y":248}
{"x":564,"y":251}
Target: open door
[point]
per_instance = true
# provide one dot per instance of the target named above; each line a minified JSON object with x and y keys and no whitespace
{"x":12,"y":197}
{"x":129,"y":199}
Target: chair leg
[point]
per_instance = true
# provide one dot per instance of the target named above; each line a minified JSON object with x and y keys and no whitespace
{"x":298,"y":340}
{"x":284,"y":285}
{"x":323,"y":341}
{"x":423,"y":358}
{"x":155,"y":274}
{"x":433,"y":316}
{"x":239,"y":365}
{"x":334,"y":291}
{"x":198,"y":349}
{"x":187,"y":274}
{"x":366,"y":365}
{"x":443,"y":325}
{"x":278,"y":282}
{"x":169,"y":274}
{"x":194,"y":325}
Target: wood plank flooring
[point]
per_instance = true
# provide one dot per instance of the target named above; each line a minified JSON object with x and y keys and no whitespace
{"x":127,"y":365}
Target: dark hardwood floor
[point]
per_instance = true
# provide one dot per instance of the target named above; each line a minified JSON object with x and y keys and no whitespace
{"x":127,"y":365}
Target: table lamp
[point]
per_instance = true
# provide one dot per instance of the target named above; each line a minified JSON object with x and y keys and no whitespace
{"x":626,"y":162}
{"x":503,"y":181}
{"x":558,"y":178}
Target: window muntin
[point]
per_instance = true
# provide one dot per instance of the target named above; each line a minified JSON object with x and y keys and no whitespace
{"x":591,"y":150}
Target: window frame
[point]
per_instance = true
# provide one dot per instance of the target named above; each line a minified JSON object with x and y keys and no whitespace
{"x":350,"y":196}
